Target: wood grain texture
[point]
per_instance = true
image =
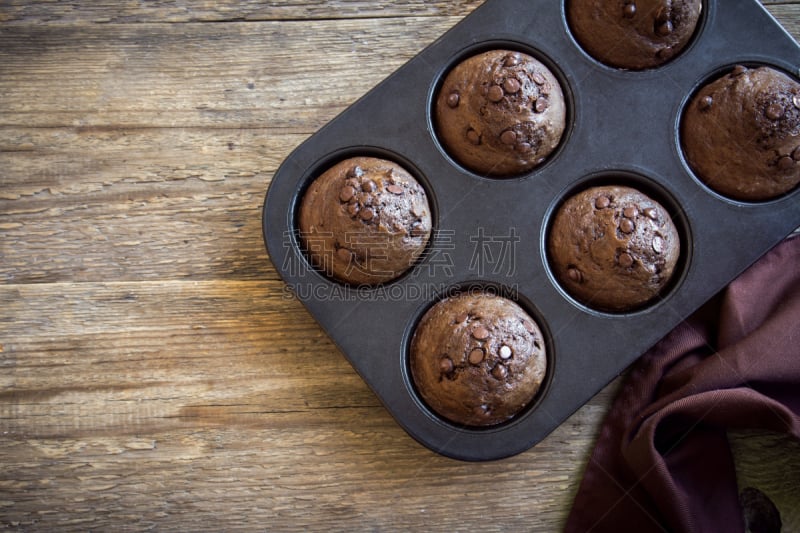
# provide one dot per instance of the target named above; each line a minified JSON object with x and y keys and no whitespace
{"x":273,"y":75}
{"x":213,"y":404}
{"x":154,"y":373}
{"x":136,"y":11}
{"x":136,"y":204}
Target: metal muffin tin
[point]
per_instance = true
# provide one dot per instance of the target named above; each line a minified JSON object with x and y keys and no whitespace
{"x":622,"y":126}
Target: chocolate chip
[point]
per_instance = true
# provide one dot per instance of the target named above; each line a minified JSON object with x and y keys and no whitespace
{"x":453,"y":99}
{"x":796,"y":154}
{"x":546,"y":88}
{"x":364,"y":198}
{"x":738,"y":70}
{"x":508,"y":137}
{"x":625,"y":260}
{"x":705,"y":103}
{"x":511,"y":60}
{"x":347,"y":193}
{"x":651,"y":213}
{"x":774,"y":111}
{"x":627,"y":225}
{"x":602,"y":202}
{"x":480,"y":333}
{"x":446,"y":365}
{"x":665,"y":53}
{"x":785,"y":163}
{"x":629,"y":10}
{"x":537,"y":78}
{"x":368,"y":186}
{"x":367,"y":214}
{"x":473,"y":137}
{"x":462,"y":318}
{"x":575,"y":275}
{"x":500,"y":372}
{"x":524,"y":147}
{"x":344,"y":255}
{"x":476,"y":356}
{"x":352,"y":209}
{"x":658,"y":244}
{"x":495,"y":93}
{"x":540,"y":105}
{"x":665,"y":29}
{"x":505,"y":352}
{"x":511,"y":85}
{"x":355,"y":172}
{"x":395,"y":189}
{"x":630,"y":212}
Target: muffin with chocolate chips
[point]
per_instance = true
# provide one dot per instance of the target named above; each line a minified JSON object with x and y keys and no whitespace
{"x":613,"y":248}
{"x":741,"y":134}
{"x":500,"y":113}
{"x":633,"y":34}
{"x":477,"y":359}
{"x":364,"y":221}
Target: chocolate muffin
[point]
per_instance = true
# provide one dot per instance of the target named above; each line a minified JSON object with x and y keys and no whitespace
{"x":633,"y":34}
{"x":500,"y":113}
{"x":365,"y":221}
{"x":477,"y":359}
{"x":741,"y":134}
{"x":613,"y":248}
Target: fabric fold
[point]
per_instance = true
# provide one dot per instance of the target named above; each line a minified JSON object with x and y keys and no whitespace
{"x":662,"y":461}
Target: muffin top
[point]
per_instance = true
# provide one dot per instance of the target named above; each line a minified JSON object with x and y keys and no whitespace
{"x":613,"y":248}
{"x":477,"y":359}
{"x":741,"y":134}
{"x":500,"y":113}
{"x":633,"y":34}
{"x":364,"y":221}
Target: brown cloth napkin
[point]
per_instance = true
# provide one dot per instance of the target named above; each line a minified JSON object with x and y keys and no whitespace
{"x":662,"y":460}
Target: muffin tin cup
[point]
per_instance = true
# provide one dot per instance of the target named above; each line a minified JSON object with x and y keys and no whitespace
{"x":493,"y":232}
{"x":651,"y":187}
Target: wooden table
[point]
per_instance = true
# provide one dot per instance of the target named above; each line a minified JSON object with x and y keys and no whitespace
{"x":154,"y":374}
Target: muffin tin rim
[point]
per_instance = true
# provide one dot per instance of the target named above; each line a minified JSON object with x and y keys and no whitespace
{"x":629,"y":177}
{"x":328,"y":161}
{"x":482,"y":286}
{"x":711,"y":75}
{"x":510,"y":43}
{"x":706,"y":17}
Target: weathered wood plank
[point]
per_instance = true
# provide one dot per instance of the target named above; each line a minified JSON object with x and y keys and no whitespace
{"x":137,"y":11}
{"x":99,"y":204}
{"x":71,"y":344}
{"x":109,"y":337}
{"x":115,"y":405}
{"x":292,"y":75}
{"x":307,"y":474}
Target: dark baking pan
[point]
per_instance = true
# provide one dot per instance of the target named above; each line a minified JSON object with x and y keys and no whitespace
{"x":621,"y":124}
